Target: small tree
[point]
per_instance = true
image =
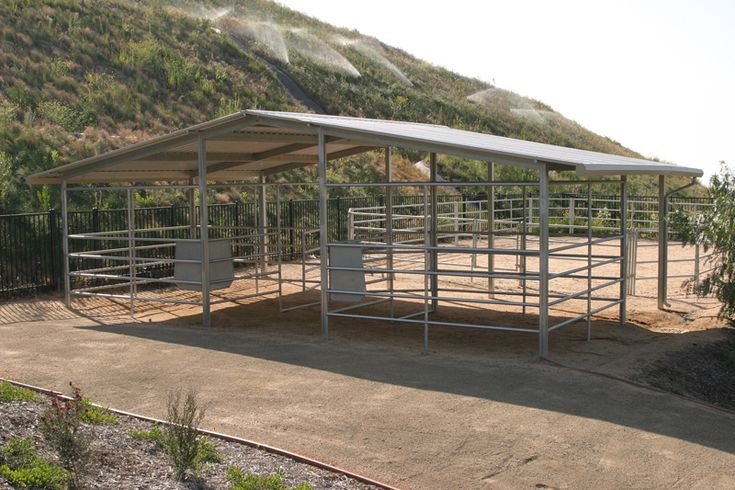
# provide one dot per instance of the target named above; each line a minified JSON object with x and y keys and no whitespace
{"x":181,"y":439}
{"x":714,"y":229}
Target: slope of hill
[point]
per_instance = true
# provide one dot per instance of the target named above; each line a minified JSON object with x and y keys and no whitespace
{"x":78,"y":78}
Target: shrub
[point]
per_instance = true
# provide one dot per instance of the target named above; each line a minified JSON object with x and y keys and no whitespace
{"x":23,"y":468}
{"x":61,"y":427}
{"x":713,"y":228}
{"x":11,"y":393}
{"x":207,"y":452}
{"x":181,"y":439}
{"x":250,"y":481}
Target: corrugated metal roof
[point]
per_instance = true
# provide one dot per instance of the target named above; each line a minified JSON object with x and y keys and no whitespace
{"x":248,"y":143}
{"x":494,"y":148}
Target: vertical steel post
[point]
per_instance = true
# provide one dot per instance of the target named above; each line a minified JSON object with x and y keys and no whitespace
{"x":131,"y":249}
{"x":192,"y":210}
{"x":696,"y":264}
{"x":490,"y":229}
{"x":662,"y":243}
{"x":204,"y":228}
{"x":65,"y":243}
{"x":589,"y":261}
{"x":572,"y":216}
{"x":623,"y":247}
{"x":279,"y":247}
{"x":389,"y":222}
{"x":543,"y":317}
{"x":455,"y":227}
{"x":323,"y":236}
{"x":524,"y":233}
{"x":302,"y":235}
{"x":427,"y":269}
{"x":433,"y":238}
{"x":262,"y":223}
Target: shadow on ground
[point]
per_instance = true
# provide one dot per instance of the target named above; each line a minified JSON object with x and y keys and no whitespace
{"x":496,"y":366}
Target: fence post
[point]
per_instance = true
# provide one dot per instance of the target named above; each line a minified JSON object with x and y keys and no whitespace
{"x":696,"y":264}
{"x":95,"y":219}
{"x":291,"y":234}
{"x":631,"y":260}
{"x":237,"y":216}
{"x":52,"y":229}
{"x":572,"y":217}
{"x":456,"y":222}
{"x":530,"y":212}
{"x":339,"y":219}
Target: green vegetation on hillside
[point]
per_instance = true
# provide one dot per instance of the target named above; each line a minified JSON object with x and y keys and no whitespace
{"x":80,"y":78}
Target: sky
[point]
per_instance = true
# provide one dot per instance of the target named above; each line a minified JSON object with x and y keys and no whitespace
{"x":657,"y":76}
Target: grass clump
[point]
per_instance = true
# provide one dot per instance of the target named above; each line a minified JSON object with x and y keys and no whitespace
{"x":155,"y":435}
{"x":250,"y":481}
{"x":95,"y":415}
{"x":207,"y":452}
{"x":12,"y":393}
{"x":24,"y":468}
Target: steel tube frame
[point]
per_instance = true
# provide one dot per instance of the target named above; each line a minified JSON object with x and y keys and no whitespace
{"x":490,"y":227}
{"x":204,"y":228}
{"x":323,"y":233}
{"x":131,"y":249}
{"x":623,"y":247}
{"x":389,"y":220}
{"x":431,"y":248}
{"x":543,"y":316}
{"x":662,"y":243}
{"x":589,"y":262}
{"x":262,"y":222}
{"x":433,"y":237}
{"x":65,"y":243}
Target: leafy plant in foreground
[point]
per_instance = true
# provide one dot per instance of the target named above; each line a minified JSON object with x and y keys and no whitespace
{"x":155,"y":434}
{"x":61,"y":426}
{"x":11,"y":393}
{"x":24,"y":468}
{"x":250,"y":481}
{"x":713,"y":229}
{"x":95,"y":415}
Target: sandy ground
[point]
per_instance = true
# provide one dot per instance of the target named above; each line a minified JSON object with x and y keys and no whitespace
{"x":479,"y":411}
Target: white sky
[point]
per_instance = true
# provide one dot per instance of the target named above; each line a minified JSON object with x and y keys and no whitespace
{"x":658,"y":76}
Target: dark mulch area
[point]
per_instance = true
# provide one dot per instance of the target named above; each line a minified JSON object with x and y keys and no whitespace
{"x":705,"y":371}
{"x":119,"y":461}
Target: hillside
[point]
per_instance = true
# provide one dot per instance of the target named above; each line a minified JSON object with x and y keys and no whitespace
{"x":79,"y":78}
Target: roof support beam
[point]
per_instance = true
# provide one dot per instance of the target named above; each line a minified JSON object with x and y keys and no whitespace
{"x":150,"y":148}
{"x":191,"y":156}
{"x":263,"y":155}
{"x":332,"y":156}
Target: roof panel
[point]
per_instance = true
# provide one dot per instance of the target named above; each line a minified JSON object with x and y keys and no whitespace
{"x":246,"y":142}
{"x":585,"y":162}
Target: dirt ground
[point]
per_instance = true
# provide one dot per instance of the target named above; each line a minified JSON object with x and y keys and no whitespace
{"x":479,"y":411}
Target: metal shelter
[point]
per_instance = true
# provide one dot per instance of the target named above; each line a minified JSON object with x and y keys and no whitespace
{"x":254,"y":144}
